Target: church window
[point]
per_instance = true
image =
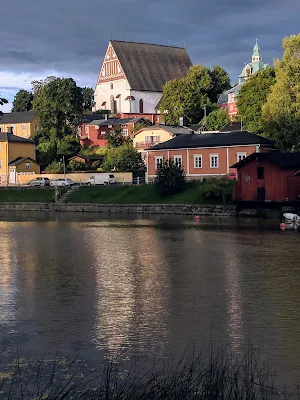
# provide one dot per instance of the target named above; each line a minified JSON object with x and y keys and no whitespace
{"x":141,"y":106}
{"x":111,"y":85}
{"x":112,"y":104}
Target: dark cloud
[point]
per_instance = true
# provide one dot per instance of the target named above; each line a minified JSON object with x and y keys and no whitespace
{"x":70,"y":37}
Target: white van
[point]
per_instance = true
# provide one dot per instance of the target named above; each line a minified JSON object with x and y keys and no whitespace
{"x":101,"y":179}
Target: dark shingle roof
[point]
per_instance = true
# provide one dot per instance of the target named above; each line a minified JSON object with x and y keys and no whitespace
{"x":232,"y":126}
{"x":149,"y":66}
{"x":213,"y":140}
{"x":19,"y":160}
{"x":9,"y":137}
{"x":114,"y":121}
{"x":18,"y":117}
{"x":282,"y":160}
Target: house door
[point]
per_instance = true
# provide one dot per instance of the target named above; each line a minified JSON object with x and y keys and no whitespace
{"x":12,"y":176}
{"x":261,"y":194}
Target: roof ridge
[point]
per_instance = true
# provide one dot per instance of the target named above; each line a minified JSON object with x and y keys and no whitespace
{"x":149,"y":44}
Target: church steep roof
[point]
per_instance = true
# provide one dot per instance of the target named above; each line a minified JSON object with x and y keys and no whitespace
{"x":149,"y":66}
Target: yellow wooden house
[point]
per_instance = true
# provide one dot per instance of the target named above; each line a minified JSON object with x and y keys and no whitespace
{"x":17,"y":159}
{"x":23,"y":123}
{"x":150,"y":136}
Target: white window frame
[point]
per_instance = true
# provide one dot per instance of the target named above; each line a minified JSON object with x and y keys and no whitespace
{"x":212,"y":160}
{"x":125,"y":132}
{"x":103,"y":133}
{"x":197,"y":156}
{"x":177,"y":157}
{"x":240,"y":156}
{"x":24,"y":127}
{"x":158,"y":160}
{"x":87,"y":130}
{"x":27,"y":165}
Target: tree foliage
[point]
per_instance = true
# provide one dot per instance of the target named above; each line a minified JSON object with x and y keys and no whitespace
{"x":252,"y":96}
{"x":2,"y":102}
{"x":22,"y":101}
{"x":77,"y":165}
{"x":123,"y":158}
{"x":60,"y":107}
{"x":281,"y":112}
{"x":218,"y":188}
{"x":170,"y":177}
{"x":216,"y":119}
{"x":88,"y":98}
{"x":187,"y":96}
{"x":115,"y":138}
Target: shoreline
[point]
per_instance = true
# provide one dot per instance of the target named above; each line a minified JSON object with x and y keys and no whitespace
{"x":176,"y":209}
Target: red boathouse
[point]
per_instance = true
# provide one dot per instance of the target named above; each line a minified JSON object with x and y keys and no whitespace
{"x":272,"y":176}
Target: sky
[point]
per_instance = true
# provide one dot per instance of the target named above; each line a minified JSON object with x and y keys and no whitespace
{"x":68,"y":38}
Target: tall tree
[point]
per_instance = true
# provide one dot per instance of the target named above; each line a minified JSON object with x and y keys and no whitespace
{"x":88,"y":98}
{"x":281,"y":113}
{"x":22,"y":101}
{"x":187,"y":96}
{"x":216,"y":119}
{"x":60,"y":107}
{"x":252,"y":96}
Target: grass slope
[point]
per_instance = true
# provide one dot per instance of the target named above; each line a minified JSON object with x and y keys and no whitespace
{"x":40,"y":195}
{"x":146,"y":194}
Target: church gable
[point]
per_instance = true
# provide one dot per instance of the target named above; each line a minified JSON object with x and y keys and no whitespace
{"x":111,"y":68}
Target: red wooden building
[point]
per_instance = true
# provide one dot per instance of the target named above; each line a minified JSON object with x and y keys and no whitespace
{"x":271,"y":176}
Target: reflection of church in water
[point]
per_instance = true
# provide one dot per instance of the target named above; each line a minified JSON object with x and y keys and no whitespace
{"x":228,"y":99}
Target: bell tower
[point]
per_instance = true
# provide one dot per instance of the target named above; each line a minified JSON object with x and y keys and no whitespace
{"x":256,"y":57}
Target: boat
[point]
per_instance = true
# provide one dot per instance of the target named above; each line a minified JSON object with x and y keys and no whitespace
{"x":292,"y":221}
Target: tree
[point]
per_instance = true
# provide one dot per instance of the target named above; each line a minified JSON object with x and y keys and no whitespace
{"x":221,"y":83}
{"x":281,"y":112}
{"x":22,"y":101}
{"x":170,"y":177}
{"x":216,"y":119}
{"x":187,"y":96}
{"x":68,"y":146}
{"x":55,"y":167}
{"x":2,"y":102}
{"x":252,"y":96}
{"x":123,"y":158}
{"x":88,"y":98}
{"x":116,"y":138}
{"x":77,"y":165}
{"x":59,"y":102}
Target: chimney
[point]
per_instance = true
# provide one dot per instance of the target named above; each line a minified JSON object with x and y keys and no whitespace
{"x":183,"y":121}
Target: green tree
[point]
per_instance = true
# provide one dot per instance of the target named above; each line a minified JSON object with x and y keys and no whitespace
{"x":55,"y":167}
{"x":221,"y":83}
{"x":96,"y":164}
{"x":281,"y":112}
{"x":216,"y":119}
{"x":252,"y":96}
{"x":115,"y":138}
{"x":123,"y":158}
{"x":77,"y":165}
{"x":2,"y":102}
{"x":68,"y":146}
{"x":22,"y":101}
{"x":170,"y":178}
{"x":187,"y":96}
{"x":59,"y":102}
{"x":88,"y":99}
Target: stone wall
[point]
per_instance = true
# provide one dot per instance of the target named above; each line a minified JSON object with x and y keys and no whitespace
{"x":124,"y":208}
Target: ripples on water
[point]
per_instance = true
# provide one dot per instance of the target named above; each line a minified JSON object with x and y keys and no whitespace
{"x":149,"y":286}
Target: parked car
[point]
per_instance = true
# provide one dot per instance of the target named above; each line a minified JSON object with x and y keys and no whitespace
{"x":39,"y":182}
{"x":101,"y":179}
{"x":62,"y":182}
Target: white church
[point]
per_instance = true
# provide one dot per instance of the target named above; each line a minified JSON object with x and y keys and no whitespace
{"x":132,"y":76}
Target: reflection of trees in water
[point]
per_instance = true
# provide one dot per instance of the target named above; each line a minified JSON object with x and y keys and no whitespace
{"x":132,"y":279}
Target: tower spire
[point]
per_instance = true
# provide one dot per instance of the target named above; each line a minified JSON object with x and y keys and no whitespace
{"x":256,"y":52}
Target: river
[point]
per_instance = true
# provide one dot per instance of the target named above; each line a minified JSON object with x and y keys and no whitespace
{"x":97,"y":284}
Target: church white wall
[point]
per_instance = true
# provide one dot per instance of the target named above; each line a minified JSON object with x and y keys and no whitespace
{"x":150,"y":100}
{"x":103,"y":93}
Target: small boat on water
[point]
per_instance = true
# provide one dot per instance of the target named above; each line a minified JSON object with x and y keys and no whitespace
{"x":291,"y":221}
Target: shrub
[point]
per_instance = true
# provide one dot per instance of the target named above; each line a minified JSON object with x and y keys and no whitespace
{"x":218,"y":188}
{"x":77,"y":165}
{"x":170,"y":178}
{"x":54,"y":168}
{"x":96,"y":165}
{"x":123,"y":158}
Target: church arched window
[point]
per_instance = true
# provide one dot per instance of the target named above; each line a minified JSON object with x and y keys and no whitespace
{"x":141,"y":106}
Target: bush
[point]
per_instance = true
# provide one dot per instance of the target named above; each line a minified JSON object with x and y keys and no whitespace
{"x":96,"y":165}
{"x":218,"y":188}
{"x":123,"y":158}
{"x":54,"y":168}
{"x":77,"y":165}
{"x":170,"y":178}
